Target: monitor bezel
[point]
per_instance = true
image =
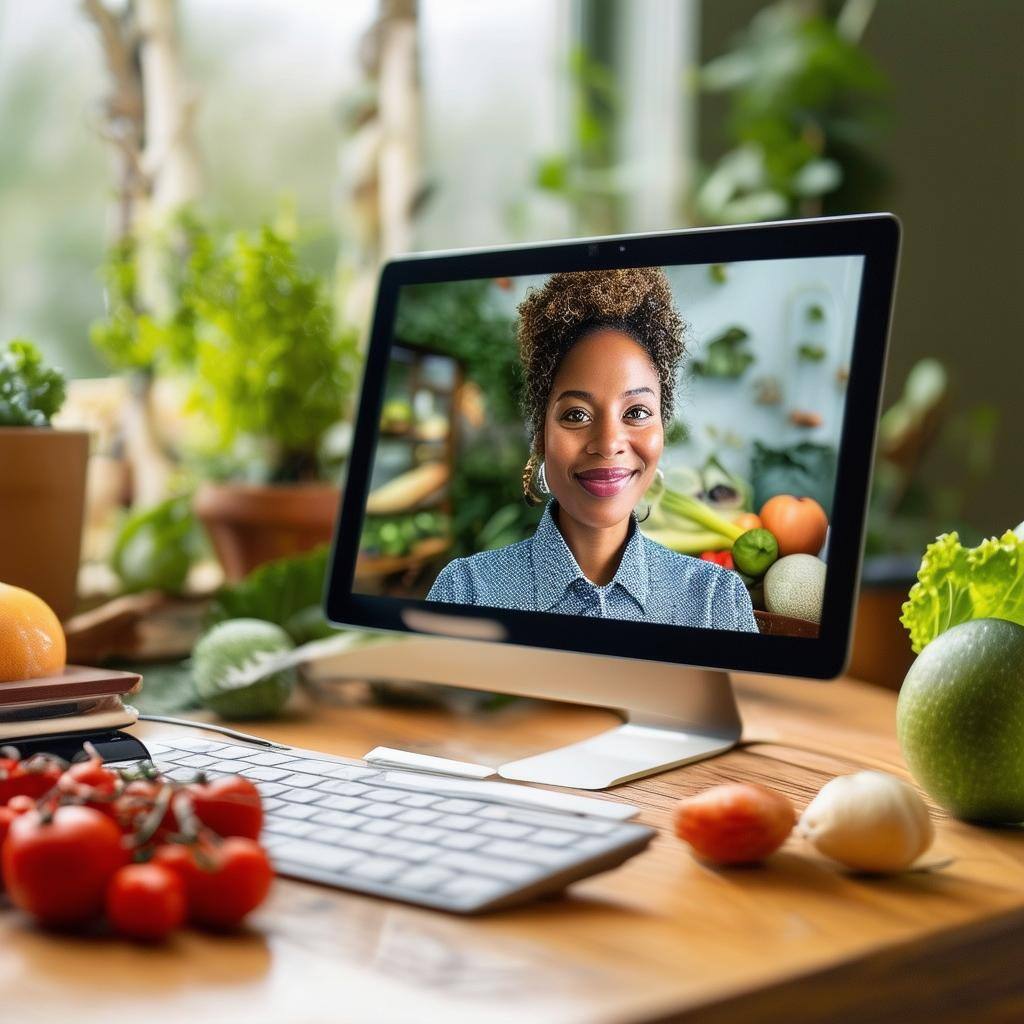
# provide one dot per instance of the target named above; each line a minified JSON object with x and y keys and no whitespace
{"x":875,"y":237}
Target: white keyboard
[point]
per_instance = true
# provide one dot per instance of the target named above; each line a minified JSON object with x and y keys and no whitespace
{"x":454,"y":844}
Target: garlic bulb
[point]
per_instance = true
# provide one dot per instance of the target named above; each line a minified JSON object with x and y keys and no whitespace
{"x":870,"y":821}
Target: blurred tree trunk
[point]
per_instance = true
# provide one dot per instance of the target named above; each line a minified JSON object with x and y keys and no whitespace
{"x":148,"y":117}
{"x":379,"y":161}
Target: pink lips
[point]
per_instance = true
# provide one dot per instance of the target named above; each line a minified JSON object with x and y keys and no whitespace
{"x":605,"y":483}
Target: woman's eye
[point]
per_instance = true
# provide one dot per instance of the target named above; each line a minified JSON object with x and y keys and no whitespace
{"x":639,"y":412}
{"x":575,"y":416}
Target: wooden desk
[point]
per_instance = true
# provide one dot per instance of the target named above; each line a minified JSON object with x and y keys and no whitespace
{"x":662,"y":938}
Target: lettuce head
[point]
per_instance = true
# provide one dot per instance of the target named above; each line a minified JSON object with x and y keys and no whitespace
{"x":956,"y":584}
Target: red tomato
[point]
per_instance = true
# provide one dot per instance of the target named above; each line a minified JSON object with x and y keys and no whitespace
{"x":58,"y":870}
{"x":146,"y":901}
{"x":223,"y":882}
{"x":135,"y":805}
{"x":230,"y":806}
{"x":21,"y":804}
{"x":91,"y":775}
{"x":737,"y":823}
{"x":6,"y":817}
{"x":34,"y":777}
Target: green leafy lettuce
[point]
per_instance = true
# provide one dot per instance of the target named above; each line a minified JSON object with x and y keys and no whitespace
{"x":956,"y":584}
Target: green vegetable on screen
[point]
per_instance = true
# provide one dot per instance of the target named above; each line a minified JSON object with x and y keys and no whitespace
{"x":957,"y":584}
{"x":30,"y":391}
{"x":231,"y":645}
{"x":724,"y":356}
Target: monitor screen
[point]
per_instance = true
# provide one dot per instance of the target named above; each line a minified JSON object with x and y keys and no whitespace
{"x":656,"y":444}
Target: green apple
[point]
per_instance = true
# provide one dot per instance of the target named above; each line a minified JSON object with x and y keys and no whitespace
{"x":960,"y":720}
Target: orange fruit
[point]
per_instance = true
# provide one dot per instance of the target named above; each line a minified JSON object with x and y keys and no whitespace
{"x":799,"y":524}
{"x":32,"y":641}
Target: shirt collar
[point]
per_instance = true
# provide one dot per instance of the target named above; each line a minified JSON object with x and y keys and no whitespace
{"x":555,"y":568}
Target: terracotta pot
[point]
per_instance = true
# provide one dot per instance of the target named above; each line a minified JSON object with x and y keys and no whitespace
{"x":250,"y":524}
{"x":880,"y":651}
{"x":42,"y":503}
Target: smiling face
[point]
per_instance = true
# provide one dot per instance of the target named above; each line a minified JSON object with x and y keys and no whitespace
{"x":603,"y":433}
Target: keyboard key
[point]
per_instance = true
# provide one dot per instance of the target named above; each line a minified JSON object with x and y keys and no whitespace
{"x":417,"y":816}
{"x":339,"y":819}
{"x":422,"y":833}
{"x":384,"y":796}
{"x":382,"y":810}
{"x":228,"y":767}
{"x":287,"y":827}
{"x":340,"y":787}
{"x":259,"y":773}
{"x":458,"y":806}
{"x":379,"y":828}
{"x":424,"y":878}
{"x":344,"y":788}
{"x":568,"y":822}
{"x":300,"y":812}
{"x":418,"y":800}
{"x":269,"y":788}
{"x":272,"y":805}
{"x":543,"y":855}
{"x":233,"y":750}
{"x":197,"y":761}
{"x":553,"y":837}
{"x":300,"y":781}
{"x":315,"y":855}
{"x":197,"y":746}
{"x":459,"y":822}
{"x":301,"y":796}
{"x":504,"y":830}
{"x":334,"y":803}
{"x":180,"y":774}
{"x":489,"y":867}
{"x":463,"y":841}
{"x":265,"y":757}
{"x":377,"y":869}
{"x":416,"y":852}
{"x":468,"y":887}
{"x":346,"y":837}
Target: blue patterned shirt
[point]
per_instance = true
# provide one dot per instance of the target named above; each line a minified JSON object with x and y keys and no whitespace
{"x":652,"y":583}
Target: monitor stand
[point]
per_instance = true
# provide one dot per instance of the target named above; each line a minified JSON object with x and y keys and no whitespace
{"x":673,"y":714}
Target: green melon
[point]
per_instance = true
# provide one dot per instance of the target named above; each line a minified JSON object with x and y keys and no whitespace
{"x":230,"y":645}
{"x":795,"y":585}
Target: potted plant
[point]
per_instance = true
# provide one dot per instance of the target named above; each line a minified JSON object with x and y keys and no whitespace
{"x":271,"y":376}
{"x":42,"y":485}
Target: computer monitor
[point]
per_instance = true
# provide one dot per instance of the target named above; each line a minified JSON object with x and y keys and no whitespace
{"x":562,"y":451}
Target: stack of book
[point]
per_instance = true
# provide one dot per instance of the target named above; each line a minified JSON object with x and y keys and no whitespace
{"x":79,"y":701}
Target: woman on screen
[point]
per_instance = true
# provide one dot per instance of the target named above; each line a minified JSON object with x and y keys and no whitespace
{"x":600,"y":353}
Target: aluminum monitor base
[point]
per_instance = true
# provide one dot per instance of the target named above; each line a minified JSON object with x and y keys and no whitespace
{"x":674,"y":714}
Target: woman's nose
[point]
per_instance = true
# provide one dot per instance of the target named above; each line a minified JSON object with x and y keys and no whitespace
{"x":606,"y":438}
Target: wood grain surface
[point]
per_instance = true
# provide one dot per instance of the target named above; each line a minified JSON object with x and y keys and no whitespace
{"x":662,"y":938}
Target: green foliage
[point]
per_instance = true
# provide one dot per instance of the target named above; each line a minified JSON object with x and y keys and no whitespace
{"x":804,"y":103}
{"x":155,"y":548}
{"x":810,"y":353}
{"x":725,"y":355}
{"x":462,"y":319}
{"x":253,"y":328}
{"x":805,"y":469}
{"x":957,"y":584}
{"x":31,"y":392}
{"x":269,"y":363}
{"x":278,"y":592}
{"x":394,"y":536}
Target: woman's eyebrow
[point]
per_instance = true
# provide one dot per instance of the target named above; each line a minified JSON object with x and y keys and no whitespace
{"x":588,"y":397}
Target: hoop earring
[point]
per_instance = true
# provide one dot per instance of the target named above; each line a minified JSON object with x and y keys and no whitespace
{"x":542,"y":480}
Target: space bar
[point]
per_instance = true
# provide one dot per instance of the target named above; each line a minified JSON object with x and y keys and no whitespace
{"x":506,"y":793}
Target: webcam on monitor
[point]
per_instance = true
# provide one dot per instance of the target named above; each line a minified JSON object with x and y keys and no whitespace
{"x":611,"y":471}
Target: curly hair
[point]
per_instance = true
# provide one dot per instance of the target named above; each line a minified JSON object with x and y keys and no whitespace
{"x":569,"y":306}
